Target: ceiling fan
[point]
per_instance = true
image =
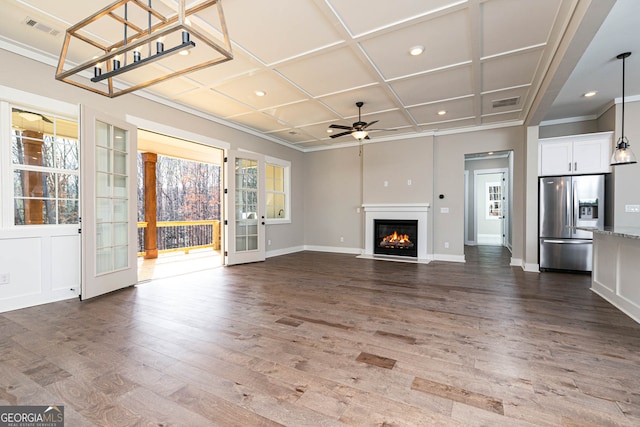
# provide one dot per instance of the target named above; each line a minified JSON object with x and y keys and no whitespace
{"x":359,"y":130}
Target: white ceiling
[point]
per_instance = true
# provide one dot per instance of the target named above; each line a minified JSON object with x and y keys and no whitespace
{"x":316,"y":58}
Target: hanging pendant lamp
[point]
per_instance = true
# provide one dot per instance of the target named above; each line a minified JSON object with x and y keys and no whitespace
{"x":623,"y":154}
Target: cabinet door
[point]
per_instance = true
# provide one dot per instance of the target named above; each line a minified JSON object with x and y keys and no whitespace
{"x":555,"y":158}
{"x":591,"y":156}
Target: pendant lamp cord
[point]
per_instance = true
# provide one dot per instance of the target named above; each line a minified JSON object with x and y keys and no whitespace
{"x":624,"y":57}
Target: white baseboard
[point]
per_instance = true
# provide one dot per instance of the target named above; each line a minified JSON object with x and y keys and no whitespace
{"x":284,"y":251}
{"x":450,"y":258}
{"x":516,"y":262}
{"x":335,"y":249}
{"x":531,"y":268}
{"x":471,"y":243}
{"x":33,"y":300}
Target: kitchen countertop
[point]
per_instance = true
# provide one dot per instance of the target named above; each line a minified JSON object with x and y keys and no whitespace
{"x":628,"y":232}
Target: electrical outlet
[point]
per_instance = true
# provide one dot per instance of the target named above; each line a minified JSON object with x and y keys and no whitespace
{"x":446,"y":245}
{"x":386,"y":183}
{"x":269,"y":242}
{"x":632,"y":208}
{"x":341,"y":239}
{"x":408,"y":182}
{"x":4,"y":278}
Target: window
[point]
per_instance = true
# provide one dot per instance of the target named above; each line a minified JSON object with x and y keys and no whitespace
{"x":45,"y":167}
{"x":277,"y":190}
{"x":494,"y":200}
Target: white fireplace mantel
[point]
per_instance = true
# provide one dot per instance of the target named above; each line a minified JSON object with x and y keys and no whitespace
{"x":411,"y":211}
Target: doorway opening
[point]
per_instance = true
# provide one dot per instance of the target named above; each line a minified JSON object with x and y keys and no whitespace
{"x":488,"y":196}
{"x":179,"y":206}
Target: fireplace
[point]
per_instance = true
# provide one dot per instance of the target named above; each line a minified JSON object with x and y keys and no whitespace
{"x":397,"y":237}
{"x":402,"y":215}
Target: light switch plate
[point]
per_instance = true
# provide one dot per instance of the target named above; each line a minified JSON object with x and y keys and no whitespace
{"x":632,"y":208}
{"x":444,"y":210}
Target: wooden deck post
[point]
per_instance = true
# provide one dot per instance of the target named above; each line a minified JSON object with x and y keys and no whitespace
{"x":33,"y":182}
{"x":150,"y":212}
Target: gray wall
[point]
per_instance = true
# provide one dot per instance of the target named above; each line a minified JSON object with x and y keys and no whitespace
{"x":435,"y":166}
{"x":397,"y":163}
{"x":573,"y":128}
{"x":332,"y":195}
{"x":449,"y":176}
{"x":627,"y":177}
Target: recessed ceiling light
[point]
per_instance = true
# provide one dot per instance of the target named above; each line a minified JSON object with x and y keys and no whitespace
{"x":490,"y":153}
{"x":260,"y":93}
{"x":590,"y":94}
{"x":442,"y":112}
{"x":184,"y":52}
{"x":329,"y":130}
{"x":416,"y":50}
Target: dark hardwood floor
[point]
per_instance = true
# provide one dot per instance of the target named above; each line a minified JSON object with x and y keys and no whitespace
{"x":320,"y":339}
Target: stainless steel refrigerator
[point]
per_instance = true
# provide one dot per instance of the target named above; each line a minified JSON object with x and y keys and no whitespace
{"x":566,"y":202}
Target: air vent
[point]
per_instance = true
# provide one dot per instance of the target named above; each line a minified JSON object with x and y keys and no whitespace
{"x":505,"y":102}
{"x":40,"y":26}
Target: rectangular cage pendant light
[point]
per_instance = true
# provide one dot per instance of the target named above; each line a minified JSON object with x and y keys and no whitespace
{"x":133,"y":44}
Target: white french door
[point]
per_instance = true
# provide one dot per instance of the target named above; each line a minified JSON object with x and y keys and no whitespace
{"x":245,"y":225}
{"x":109,"y":204}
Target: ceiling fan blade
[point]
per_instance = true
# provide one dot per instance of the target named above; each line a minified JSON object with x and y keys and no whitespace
{"x":369,"y":124}
{"x":340,"y":134}
{"x":340,"y":127}
{"x":371,"y":130}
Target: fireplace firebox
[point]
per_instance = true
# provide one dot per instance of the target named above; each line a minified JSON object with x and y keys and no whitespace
{"x":397,"y":237}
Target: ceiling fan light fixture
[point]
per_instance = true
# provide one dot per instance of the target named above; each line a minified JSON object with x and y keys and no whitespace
{"x":623,"y":154}
{"x":360,"y":134}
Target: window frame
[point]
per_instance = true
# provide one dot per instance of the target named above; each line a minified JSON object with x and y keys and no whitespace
{"x":286,"y":166}
{"x":15,"y":98}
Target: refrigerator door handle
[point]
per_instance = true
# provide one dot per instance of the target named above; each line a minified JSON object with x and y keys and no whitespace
{"x":569,"y":207}
{"x":568,"y":242}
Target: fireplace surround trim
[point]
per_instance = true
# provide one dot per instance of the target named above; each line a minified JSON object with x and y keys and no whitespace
{"x":413,"y":211}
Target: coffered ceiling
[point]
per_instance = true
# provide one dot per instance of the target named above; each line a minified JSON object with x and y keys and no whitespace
{"x":484,"y":61}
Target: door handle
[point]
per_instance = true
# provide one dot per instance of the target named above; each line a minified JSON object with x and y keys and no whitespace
{"x":569,"y":242}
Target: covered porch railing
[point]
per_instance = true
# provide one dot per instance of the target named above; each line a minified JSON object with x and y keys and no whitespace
{"x":174,"y":236}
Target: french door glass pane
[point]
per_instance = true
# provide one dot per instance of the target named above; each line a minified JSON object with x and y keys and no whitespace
{"x":112,"y":227}
{"x":246,"y":178}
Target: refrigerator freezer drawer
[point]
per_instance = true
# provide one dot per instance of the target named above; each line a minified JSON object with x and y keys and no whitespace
{"x":561,"y":254}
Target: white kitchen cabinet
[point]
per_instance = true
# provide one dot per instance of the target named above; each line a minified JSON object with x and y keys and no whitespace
{"x":575,"y":154}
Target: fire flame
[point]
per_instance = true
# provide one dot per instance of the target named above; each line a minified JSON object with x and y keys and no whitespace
{"x":396,"y":240}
